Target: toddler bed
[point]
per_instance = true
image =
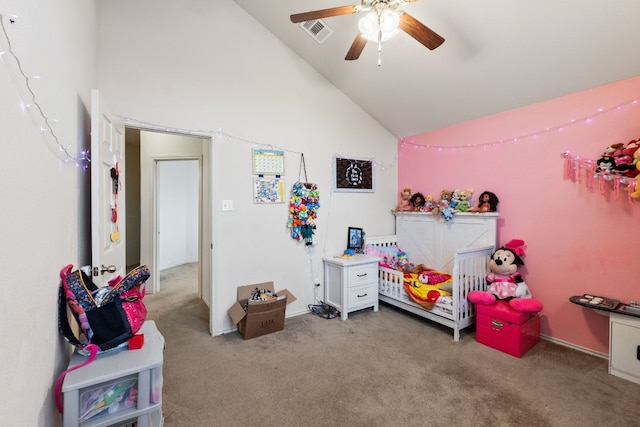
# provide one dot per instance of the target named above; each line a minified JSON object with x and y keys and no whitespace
{"x":461,"y":247}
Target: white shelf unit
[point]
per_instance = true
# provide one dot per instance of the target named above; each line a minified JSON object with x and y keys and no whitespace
{"x":141,"y":367}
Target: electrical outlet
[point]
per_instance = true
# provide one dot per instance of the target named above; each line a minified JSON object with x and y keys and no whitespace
{"x":227,"y":205}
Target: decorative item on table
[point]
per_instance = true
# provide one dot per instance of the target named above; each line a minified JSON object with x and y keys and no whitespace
{"x":487,"y":202}
{"x":594,"y":301}
{"x":505,"y":282}
{"x":355,"y":240}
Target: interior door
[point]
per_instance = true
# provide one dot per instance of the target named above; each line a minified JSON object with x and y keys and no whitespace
{"x":108,"y":244}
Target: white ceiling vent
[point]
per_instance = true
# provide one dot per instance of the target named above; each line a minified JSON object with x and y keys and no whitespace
{"x":317,"y":29}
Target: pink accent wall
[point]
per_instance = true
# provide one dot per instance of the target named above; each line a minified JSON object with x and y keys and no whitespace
{"x":577,"y":240}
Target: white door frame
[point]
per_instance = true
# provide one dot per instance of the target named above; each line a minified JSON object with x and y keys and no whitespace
{"x":207,"y":261}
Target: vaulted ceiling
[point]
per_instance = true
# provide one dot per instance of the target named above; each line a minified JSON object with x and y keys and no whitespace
{"x":497,"y":55}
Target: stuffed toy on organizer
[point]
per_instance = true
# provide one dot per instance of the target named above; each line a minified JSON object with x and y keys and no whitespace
{"x":505,"y":282}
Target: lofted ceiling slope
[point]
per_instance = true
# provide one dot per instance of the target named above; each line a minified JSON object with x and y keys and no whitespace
{"x":497,"y":55}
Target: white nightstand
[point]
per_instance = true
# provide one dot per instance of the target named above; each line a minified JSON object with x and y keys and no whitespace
{"x":351,"y":284}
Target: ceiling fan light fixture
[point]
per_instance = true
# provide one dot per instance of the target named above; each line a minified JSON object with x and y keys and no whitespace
{"x":389,"y":21}
{"x":387,"y":25}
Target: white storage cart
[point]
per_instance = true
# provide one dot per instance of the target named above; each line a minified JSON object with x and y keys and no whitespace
{"x":119,"y":388}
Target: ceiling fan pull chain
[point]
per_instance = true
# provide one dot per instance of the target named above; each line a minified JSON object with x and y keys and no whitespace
{"x":379,"y":42}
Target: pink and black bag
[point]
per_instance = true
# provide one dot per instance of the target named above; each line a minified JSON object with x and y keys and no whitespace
{"x":107,"y":316}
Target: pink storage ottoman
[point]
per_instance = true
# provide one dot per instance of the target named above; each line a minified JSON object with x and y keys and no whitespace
{"x":505,"y":329}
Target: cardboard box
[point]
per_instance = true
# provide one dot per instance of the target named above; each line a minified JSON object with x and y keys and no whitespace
{"x":261,"y":317}
{"x":505,"y":329}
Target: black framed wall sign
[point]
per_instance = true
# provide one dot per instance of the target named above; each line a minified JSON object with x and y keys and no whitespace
{"x":353,"y":175}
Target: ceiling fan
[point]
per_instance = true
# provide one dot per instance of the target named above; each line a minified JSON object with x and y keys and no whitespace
{"x":384,"y":21}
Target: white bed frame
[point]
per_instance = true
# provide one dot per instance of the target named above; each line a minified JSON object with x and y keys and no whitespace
{"x":420,"y":233}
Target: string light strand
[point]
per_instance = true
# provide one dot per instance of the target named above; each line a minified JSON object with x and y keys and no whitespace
{"x":525,"y":136}
{"x":29,"y":99}
{"x":201,"y":133}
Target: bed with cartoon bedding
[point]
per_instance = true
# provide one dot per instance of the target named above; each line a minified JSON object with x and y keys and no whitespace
{"x":436,"y":295}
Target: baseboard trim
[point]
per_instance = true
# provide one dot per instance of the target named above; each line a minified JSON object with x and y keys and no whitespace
{"x":542,"y":336}
{"x":574,"y":346}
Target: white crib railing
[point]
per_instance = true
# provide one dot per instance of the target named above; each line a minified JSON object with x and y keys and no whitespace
{"x":469,"y":272}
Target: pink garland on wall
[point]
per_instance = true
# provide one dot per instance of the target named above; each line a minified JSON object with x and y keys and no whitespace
{"x":576,"y":167}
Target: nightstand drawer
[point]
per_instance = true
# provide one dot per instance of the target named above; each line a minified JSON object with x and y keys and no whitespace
{"x":362,"y":296}
{"x":362,"y":274}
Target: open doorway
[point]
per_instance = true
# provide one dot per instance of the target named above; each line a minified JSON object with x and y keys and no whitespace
{"x":178,"y":223}
{"x":168,"y":179}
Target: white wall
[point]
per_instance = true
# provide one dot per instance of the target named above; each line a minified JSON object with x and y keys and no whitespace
{"x":43,"y":220}
{"x":239,"y":78}
{"x":201,"y":66}
{"x":178,"y":190}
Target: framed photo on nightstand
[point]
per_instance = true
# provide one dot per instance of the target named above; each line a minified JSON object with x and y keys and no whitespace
{"x":355,"y":239}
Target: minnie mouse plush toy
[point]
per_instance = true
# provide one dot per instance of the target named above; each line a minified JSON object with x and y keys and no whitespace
{"x":505,"y":283}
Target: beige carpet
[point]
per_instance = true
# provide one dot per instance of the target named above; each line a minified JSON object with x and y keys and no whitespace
{"x":376,"y":369}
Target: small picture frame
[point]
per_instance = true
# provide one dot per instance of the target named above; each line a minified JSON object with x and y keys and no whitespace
{"x":353,"y":175}
{"x":355,"y":239}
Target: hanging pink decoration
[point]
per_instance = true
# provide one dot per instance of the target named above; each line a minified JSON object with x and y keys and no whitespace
{"x":569,"y":167}
{"x":605,"y":170}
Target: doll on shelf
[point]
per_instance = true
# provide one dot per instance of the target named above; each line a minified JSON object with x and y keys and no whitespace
{"x":405,"y":203}
{"x":418,"y":202}
{"x":465,"y":205}
{"x":487,"y":202}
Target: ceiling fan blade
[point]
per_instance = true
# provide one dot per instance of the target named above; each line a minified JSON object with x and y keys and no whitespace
{"x":419,"y":31}
{"x":356,"y":48}
{"x":324,"y":13}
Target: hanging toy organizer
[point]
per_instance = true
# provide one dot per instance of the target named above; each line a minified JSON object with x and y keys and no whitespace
{"x":303,"y":207}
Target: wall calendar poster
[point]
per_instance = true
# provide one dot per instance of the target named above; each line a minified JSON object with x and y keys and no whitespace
{"x":268,"y":190}
{"x":268,"y":162}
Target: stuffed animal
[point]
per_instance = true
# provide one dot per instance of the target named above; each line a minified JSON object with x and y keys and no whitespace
{"x":405,"y":204}
{"x":487,"y":202}
{"x":442,"y":203}
{"x":402,"y":262}
{"x":613,"y":149}
{"x":505,"y":283}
